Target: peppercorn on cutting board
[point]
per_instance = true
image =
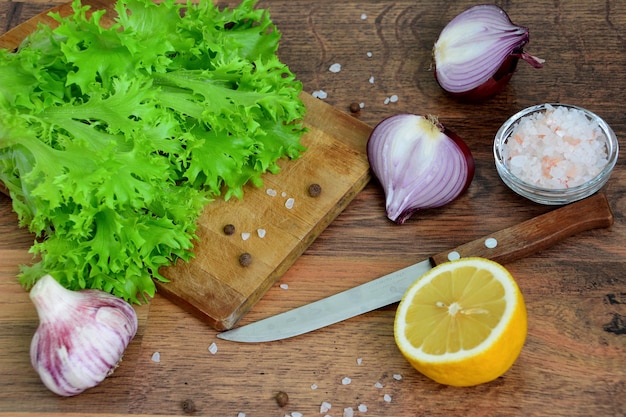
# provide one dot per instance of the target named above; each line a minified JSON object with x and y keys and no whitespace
{"x":274,"y":223}
{"x":214,"y":284}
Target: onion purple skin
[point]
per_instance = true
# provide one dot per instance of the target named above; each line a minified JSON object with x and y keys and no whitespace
{"x":471,"y":167}
{"x":489,"y":88}
{"x":459,"y":143}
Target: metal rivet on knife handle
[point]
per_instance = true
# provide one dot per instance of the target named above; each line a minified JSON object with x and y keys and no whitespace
{"x":538,"y":233}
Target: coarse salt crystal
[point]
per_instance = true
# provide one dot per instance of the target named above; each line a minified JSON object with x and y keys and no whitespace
{"x":371,"y":79}
{"x":363,"y":16}
{"x":362,"y":408}
{"x":348,"y":412}
{"x":271,"y":192}
{"x":325,"y":407}
{"x":241,"y":415}
{"x":378,"y":385}
{"x":313,"y":386}
{"x":397,"y":377}
{"x":346,"y":381}
{"x":369,"y":54}
{"x":284,"y":286}
{"x":361,"y":105}
{"x":261,"y":233}
{"x":213,"y":348}
{"x":290,"y":202}
{"x":283,"y":194}
{"x":393,"y":98}
{"x":296,"y":414}
{"x":387,"y":398}
{"x":336,"y":67}
{"x":555,"y":149}
{"x":386,"y":100}
{"x":321,"y":94}
{"x":156,"y":357}
{"x":245,"y":236}
{"x":359,"y":361}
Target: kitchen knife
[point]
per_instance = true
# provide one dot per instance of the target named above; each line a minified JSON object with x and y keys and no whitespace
{"x":504,"y":246}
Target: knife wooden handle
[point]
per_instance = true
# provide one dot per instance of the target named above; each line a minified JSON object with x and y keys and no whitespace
{"x":537,"y":233}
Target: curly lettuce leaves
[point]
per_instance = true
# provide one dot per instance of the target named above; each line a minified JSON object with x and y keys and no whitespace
{"x":113,"y":140}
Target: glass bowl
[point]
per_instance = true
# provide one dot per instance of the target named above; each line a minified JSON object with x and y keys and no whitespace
{"x":541,"y":194}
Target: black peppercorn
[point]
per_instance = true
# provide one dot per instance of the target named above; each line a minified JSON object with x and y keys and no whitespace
{"x":245,"y":259}
{"x":355,"y":107}
{"x":189,"y":406}
{"x":315,"y":190}
{"x":229,"y":229}
{"x":281,"y":398}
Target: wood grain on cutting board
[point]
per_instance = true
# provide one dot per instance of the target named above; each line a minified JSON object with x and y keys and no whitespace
{"x":213,"y":284}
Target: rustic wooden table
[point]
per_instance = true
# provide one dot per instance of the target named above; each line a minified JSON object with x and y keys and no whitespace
{"x":574,"y":360}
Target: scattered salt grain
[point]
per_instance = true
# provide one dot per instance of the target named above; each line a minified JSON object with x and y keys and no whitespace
{"x":348,"y":412}
{"x":245,"y":236}
{"x":387,"y":398}
{"x":363,"y":16}
{"x":369,"y":54}
{"x":289,"y":203}
{"x":283,"y":194}
{"x":362,"y":408}
{"x":361,"y":105}
{"x":296,"y":414}
{"x":359,"y":361}
{"x":558,"y":148}
{"x":213,"y":348}
{"x":284,"y":286}
{"x":336,"y":67}
{"x":378,"y":385}
{"x":346,"y":381}
{"x":156,"y":357}
{"x":397,"y":377}
{"x":321,"y":94}
{"x":371,"y":79}
{"x":241,"y":415}
{"x":261,"y":233}
{"x":271,"y":192}
{"x":313,"y":386}
{"x":325,"y":407}
{"x":392,"y":99}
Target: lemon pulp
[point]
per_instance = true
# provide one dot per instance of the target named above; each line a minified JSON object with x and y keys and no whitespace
{"x":462,"y":323}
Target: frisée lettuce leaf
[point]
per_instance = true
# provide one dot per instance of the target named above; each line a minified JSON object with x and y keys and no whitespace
{"x":113,"y":139}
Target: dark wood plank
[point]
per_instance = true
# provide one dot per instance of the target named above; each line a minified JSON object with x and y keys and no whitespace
{"x":573,"y":361}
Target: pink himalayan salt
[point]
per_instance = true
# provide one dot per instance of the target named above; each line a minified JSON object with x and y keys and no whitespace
{"x":556,"y":149}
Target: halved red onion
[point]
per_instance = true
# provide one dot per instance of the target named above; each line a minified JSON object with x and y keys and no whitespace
{"x":419,"y":163}
{"x":477,"y":52}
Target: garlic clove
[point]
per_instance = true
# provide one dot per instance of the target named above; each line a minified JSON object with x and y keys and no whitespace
{"x":81,"y":337}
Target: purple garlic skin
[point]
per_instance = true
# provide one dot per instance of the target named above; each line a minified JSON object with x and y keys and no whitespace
{"x":81,"y":336}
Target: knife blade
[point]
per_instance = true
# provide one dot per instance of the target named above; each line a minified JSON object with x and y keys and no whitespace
{"x":503,"y":246}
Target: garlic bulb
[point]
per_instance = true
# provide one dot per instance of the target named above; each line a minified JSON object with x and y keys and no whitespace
{"x":81,"y":336}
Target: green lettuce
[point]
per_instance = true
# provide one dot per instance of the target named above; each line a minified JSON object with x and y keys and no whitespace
{"x":113,"y":140}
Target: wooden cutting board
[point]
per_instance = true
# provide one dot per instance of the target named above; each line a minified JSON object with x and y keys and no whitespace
{"x":214,"y":285}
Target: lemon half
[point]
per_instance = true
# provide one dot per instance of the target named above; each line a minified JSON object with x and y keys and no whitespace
{"x":462,"y":323}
